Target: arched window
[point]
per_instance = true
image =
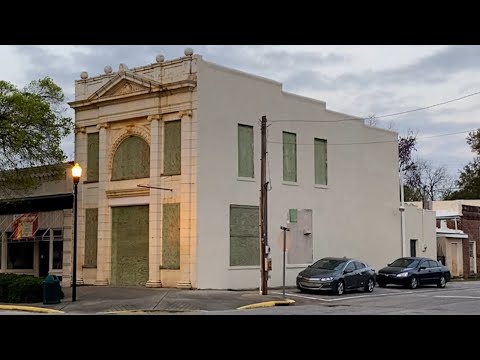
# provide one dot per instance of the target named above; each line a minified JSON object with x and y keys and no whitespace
{"x":131,"y":160}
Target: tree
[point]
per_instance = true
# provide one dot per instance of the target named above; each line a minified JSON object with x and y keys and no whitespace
{"x":406,"y":147}
{"x":469,"y":179}
{"x":425,"y":182}
{"x":32,"y":125}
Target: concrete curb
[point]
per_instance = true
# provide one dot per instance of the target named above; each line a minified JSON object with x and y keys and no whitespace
{"x":129,"y":312}
{"x":267,"y":304}
{"x":30,"y":309}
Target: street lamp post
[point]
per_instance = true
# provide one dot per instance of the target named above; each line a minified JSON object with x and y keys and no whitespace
{"x":76,"y":173}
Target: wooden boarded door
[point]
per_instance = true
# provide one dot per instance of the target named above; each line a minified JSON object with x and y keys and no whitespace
{"x":454,"y":259}
{"x":130,"y":245}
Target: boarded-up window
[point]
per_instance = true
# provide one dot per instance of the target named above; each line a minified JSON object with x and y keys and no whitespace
{"x":91,"y":237}
{"x":131,"y":160}
{"x":92,"y":157}
{"x":289,"y":157}
{"x":244,"y":235}
{"x":172,"y":148}
{"x":171,"y":236}
{"x":301,"y":249}
{"x":320,"y":162}
{"x":245,"y":151}
{"x":293,"y":215}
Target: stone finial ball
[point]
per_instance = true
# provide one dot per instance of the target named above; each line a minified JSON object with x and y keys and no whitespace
{"x":160,"y":58}
{"x":83,"y":75}
{"x":188,"y":52}
{"x":108,"y":69}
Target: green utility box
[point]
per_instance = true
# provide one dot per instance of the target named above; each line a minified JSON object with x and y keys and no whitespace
{"x":52,"y":291}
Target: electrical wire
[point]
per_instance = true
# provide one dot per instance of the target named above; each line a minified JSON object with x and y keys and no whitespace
{"x":380,"y":141}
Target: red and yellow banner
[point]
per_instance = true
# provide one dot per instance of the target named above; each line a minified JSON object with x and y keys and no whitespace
{"x":25,"y":226}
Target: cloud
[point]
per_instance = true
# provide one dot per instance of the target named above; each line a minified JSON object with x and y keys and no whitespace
{"x":357,"y":80}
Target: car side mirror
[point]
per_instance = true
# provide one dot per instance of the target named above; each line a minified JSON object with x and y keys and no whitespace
{"x":422,"y":268}
{"x":346,"y":271}
{"x":389,"y":264}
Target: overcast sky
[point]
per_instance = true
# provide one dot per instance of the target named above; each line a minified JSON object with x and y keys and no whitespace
{"x":359,"y":80}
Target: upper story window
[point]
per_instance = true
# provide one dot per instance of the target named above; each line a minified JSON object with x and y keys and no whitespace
{"x":131,"y":160}
{"x":289,"y":157}
{"x":92,"y":157}
{"x":172,"y":149}
{"x":245,"y":151}
{"x":320,"y":158}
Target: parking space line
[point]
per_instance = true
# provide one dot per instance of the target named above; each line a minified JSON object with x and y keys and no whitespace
{"x":457,"y":296}
{"x":357,"y":297}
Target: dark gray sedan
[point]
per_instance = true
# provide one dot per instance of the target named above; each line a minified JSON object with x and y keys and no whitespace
{"x":337,"y":275}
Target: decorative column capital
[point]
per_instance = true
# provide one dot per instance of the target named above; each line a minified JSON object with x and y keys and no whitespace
{"x":103,"y":126}
{"x":150,"y":118}
{"x":185,"y":113}
{"x":80,"y":130}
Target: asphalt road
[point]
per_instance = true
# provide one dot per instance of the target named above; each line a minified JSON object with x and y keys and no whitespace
{"x":458,"y":298}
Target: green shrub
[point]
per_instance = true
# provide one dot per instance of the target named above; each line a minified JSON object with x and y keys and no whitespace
{"x":20,"y":288}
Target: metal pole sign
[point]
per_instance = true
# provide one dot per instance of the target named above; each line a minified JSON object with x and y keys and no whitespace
{"x":285,"y":229}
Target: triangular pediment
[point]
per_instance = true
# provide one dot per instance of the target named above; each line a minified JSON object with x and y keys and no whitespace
{"x":124,"y":83}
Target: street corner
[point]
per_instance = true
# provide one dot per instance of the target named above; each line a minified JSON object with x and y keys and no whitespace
{"x":32,"y":309}
{"x":283,"y":302}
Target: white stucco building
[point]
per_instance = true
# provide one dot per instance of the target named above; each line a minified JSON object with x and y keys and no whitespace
{"x":192,"y":127}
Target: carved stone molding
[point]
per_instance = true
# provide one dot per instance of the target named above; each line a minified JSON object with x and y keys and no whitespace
{"x":126,"y":132}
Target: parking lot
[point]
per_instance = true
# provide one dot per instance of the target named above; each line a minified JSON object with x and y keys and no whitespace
{"x":460,"y":297}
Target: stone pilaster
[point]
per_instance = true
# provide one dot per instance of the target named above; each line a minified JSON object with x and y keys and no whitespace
{"x":155,"y":207}
{"x":104,"y":258}
{"x":186,"y":200}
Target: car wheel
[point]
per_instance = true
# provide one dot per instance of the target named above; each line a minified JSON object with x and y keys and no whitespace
{"x":442,"y":282}
{"x":340,"y":289}
{"x":413,"y":282}
{"x":370,"y":285}
{"x":382,"y":284}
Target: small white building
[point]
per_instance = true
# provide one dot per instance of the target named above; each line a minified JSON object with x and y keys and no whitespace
{"x":192,"y":127}
{"x":420,"y":236}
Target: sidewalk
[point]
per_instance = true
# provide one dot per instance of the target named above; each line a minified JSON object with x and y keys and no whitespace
{"x":129,"y":300}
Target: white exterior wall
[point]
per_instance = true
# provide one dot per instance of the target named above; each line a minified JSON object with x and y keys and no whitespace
{"x":420,"y":225}
{"x":357,"y":215}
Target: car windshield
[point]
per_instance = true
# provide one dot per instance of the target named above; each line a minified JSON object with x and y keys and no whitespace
{"x":404,"y":263}
{"x":329,"y":264}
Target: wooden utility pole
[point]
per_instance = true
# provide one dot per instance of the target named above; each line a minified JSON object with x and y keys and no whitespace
{"x":263,"y":210}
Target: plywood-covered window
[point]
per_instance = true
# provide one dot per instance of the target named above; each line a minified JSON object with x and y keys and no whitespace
{"x":171,"y":236}
{"x":131,"y":160}
{"x":289,"y":157}
{"x":321,"y":177}
{"x":172,"y":148}
{"x":244,"y":235}
{"x":91,"y":237}
{"x":245,"y":151}
{"x":92,"y":157}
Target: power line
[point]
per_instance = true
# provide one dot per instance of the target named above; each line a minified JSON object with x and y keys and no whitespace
{"x":380,"y":141}
{"x":381,"y":116}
